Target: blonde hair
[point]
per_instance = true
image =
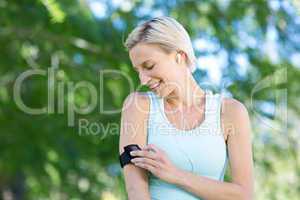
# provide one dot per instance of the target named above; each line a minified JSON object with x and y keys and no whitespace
{"x":169,"y":34}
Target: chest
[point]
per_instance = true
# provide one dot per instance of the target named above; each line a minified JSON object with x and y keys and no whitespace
{"x":198,"y":153}
{"x":186,"y":119}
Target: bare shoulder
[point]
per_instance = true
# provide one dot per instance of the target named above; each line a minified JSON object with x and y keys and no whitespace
{"x":134,"y":120}
{"x":137,"y":102}
{"x":234,"y":116}
{"x":232,"y":107}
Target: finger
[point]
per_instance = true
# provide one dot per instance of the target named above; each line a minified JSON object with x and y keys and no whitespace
{"x":148,"y":167}
{"x":159,"y":152}
{"x":145,"y":153}
{"x":148,"y":161}
{"x":155,"y":148}
{"x":152,"y":147}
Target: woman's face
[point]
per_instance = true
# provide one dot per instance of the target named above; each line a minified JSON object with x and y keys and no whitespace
{"x":157,"y":69}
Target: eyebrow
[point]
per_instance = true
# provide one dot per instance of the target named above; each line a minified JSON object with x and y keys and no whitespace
{"x":143,"y":63}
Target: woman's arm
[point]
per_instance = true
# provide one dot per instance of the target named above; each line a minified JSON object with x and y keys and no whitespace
{"x":134,"y":131}
{"x":236,"y":125}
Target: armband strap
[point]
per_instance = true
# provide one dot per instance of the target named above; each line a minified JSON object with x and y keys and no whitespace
{"x":125,"y":157}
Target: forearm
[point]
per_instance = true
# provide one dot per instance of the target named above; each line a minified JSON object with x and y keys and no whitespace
{"x":207,"y":188}
{"x":136,"y":182}
{"x":134,"y":194}
{"x":138,"y":192}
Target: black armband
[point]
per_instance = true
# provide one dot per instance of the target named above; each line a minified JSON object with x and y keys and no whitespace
{"x":125,"y":157}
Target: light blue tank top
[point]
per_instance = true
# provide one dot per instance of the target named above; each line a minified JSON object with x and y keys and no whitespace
{"x":201,"y":150}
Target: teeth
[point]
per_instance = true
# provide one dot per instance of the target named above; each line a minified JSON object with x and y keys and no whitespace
{"x":157,"y":84}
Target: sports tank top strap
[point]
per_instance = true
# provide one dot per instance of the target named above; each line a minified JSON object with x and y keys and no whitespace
{"x":213,"y":111}
{"x":155,"y":116}
{"x":154,"y":103}
{"x":219,"y":100}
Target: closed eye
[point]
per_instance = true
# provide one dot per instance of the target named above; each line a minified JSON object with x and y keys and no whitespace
{"x":148,"y":68}
{"x":151,"y":67}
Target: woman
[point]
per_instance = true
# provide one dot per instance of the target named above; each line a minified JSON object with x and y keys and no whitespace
{"x":187,"y":134}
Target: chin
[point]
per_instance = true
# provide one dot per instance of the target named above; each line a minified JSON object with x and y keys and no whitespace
{"x":164,"y":93}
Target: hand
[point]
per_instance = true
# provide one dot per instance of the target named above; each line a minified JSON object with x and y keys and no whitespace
{"x":156,"y":161}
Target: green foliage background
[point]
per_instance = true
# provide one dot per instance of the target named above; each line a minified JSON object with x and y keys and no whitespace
{"x":41,"y":157}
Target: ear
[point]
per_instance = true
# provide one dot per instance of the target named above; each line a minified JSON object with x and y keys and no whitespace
{"x":178,"y":58}
{"x":181,"y":56}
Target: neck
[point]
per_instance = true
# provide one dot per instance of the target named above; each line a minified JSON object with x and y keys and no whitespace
{"x":188,"y":95}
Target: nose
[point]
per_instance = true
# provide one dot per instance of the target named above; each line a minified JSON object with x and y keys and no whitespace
{"x":144,"y":78}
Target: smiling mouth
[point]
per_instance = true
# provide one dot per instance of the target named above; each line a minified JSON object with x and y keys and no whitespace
{"x":156,"y":85}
